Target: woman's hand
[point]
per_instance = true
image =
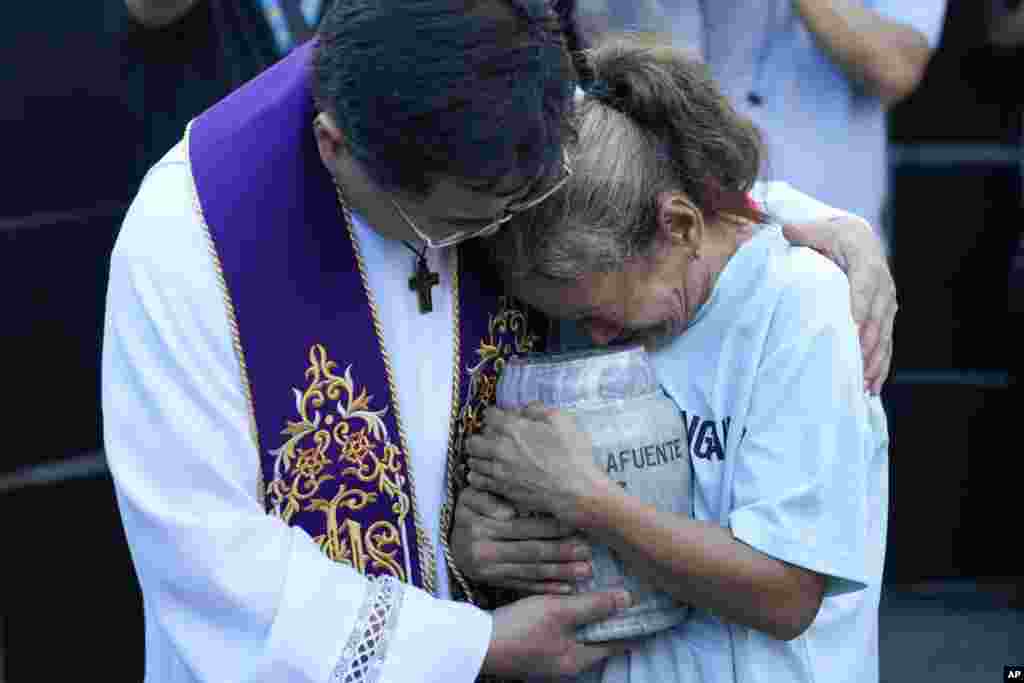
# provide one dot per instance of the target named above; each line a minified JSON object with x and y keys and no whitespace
{"x":538,"y":459}
{"x":852,"y":244}
{"x":493,"y":546}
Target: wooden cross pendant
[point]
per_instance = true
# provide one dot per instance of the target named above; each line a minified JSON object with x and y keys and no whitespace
{"x":422,"y":282}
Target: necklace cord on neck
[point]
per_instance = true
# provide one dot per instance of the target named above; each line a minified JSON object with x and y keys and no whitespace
{"x":421,"y":254}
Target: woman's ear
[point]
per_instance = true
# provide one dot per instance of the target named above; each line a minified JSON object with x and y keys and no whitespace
{"x":329,"y":141}
{"x":680,"y":222}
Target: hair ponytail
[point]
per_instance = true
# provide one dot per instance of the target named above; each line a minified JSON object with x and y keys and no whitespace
{"x":653,"y":121}
{"x":715,"y":151}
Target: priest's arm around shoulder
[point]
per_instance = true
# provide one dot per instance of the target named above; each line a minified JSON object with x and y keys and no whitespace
{"x":742,"y":328}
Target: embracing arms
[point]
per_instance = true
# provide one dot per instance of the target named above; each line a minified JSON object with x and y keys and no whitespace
{"x":737,"y":582}
{"x":799,"y":499}
{"x":492,"y":546}
{"x":700,"y":563}
{"x":696,"y":562}
{"x":852,"y":244}
{"x":1006,"y":23}
{"x":796,"y":505}
{"x":886,"y":57}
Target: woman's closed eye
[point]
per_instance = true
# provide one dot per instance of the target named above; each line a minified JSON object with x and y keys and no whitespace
{"x":469,"y":223}
{"x":599,"y":330}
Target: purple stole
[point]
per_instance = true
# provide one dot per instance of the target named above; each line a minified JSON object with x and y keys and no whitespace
{"x":333,"y":454}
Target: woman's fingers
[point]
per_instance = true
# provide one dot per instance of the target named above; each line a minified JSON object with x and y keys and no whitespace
{"x":481,"y":447}
{"x":541,"y":587}
{"x":555,"y":553}
{"x":487,"y":468}
{"x":487,"y":505}
{"x":538,"y":411}
{"x":486,"y":483}
{"x":547,"y":528}
{"x":499,"y":422}
{"x":876,"y":369}
{"x":565,"y":572}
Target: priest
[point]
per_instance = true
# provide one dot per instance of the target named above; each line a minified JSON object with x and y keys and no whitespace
{"x":295,"y":350}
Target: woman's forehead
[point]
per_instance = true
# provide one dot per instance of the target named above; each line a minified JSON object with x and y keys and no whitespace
{"x":579,"y":298}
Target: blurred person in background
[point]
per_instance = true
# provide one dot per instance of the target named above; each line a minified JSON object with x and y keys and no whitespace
{"x":288,"y":22}
{"x":816,"y":76}
{"x":1006,"y":29}
{"x":678,"y":21}
{"x":1006,"y":22}
{"x":191,"y":53}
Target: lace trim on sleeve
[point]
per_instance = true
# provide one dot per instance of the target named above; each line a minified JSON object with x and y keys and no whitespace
{"x":366,"y":649}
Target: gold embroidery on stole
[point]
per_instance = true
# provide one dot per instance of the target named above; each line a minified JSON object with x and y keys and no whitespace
{"x":507,"y":335}
{"x":336,"y":425}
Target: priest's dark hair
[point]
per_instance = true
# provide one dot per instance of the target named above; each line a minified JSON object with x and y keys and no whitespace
{"x":472,"y":89}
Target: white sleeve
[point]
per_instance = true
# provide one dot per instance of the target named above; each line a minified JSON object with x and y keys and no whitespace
{"x":785,"y":204}
{"x":924,"y":16}
{"x":686,"y":24}
{"x":800,"y":484}
{"x":231,"y":593}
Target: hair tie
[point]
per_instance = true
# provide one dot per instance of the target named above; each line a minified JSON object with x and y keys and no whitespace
{"x":600,"y":91}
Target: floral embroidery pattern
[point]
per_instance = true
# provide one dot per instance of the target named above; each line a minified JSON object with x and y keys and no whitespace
{"x":338,"y":458}
{"x":507,"y":335}
{"x":357,"y":447}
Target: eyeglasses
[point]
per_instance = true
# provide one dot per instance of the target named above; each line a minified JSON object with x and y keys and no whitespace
{"x":508,"y":214}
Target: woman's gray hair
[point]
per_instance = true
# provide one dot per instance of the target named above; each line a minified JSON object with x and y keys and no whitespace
{"x":652,"y":121}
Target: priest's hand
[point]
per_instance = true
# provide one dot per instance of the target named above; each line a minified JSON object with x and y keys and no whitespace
{"x":537,"y":636}
{"x":538,"y":459}
{"x":491,"y":545}
{"x":850,"y":242}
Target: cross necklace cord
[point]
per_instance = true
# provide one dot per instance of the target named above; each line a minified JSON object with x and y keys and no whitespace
{"x":424,"y":280}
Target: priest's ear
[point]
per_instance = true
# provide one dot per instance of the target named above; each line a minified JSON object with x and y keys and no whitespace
{"x":330,"y":141}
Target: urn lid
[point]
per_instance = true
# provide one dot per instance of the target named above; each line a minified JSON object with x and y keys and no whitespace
{"x":575,"y":378}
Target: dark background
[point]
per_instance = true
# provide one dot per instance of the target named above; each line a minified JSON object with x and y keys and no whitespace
{"x":87,"y":109}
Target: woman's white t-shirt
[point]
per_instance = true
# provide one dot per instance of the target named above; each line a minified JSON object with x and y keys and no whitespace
{"x":791,"y":454}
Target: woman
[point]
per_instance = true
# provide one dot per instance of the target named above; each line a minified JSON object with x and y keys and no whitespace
{"x":655,"y":240}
